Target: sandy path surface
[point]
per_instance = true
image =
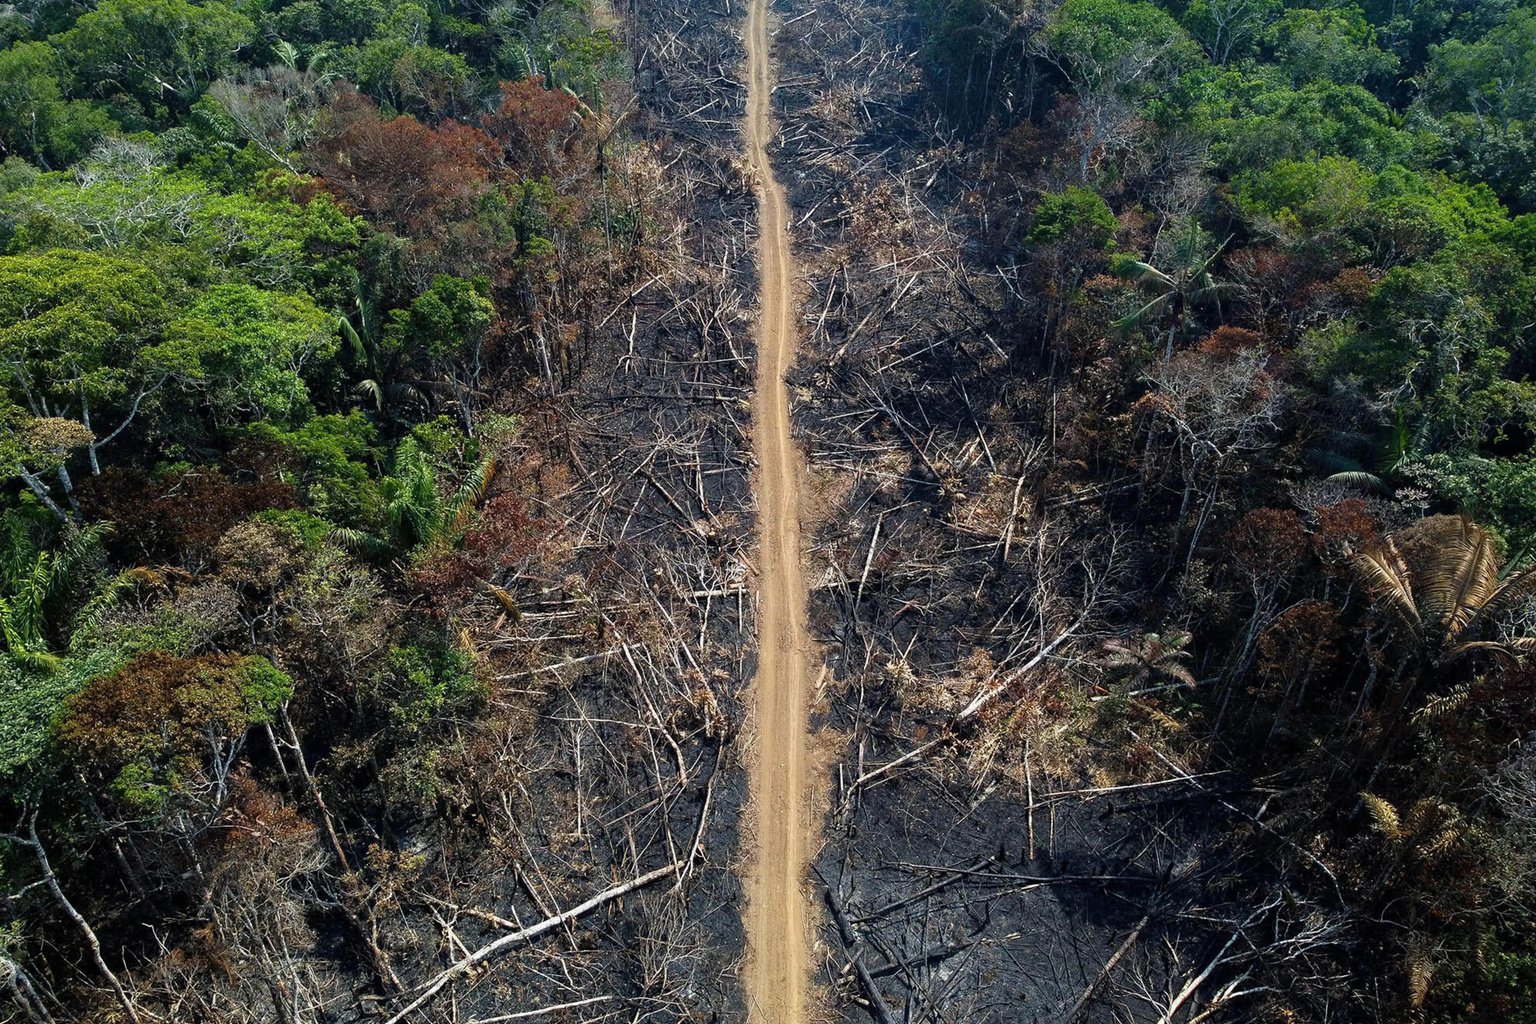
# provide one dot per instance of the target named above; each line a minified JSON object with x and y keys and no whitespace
{"x":777,"y":920}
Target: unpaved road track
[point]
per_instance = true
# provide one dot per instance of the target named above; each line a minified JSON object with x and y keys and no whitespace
{"x":778,"y":940}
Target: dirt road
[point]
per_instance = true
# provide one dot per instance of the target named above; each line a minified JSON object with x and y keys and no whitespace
{"x":778,"y":940}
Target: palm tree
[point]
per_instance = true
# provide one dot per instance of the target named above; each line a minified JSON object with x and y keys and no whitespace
{"x":361,"y":327}
{"x":417,"y":516}
{"x":1187,"y":284}
{"x":33,"y":577}
{"x":1425,"y":836}
{"x":1148,"y":659}
{"x":1446,"y":602}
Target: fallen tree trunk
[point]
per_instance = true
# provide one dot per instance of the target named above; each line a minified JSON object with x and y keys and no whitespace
{"x":877,"y":1004}
{"x":980,"y":702}
{"x":1081,"y":1006}
{"x":528,"y":934}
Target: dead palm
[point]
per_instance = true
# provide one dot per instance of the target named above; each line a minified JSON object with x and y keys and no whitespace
{"x":1449,"y":598}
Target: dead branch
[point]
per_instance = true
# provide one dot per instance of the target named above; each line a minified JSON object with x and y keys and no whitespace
{"x":493,"y":949}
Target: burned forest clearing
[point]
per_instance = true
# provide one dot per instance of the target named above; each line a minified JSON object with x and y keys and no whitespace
{"x":784,"y":512}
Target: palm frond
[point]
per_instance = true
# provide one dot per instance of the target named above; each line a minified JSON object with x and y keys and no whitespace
{"x":37,"y":661}
{"x":1177,"y":639}
{"x":79,"y":546}
{"x":507,"y":601}
{"x":1386,"y":579}
{"x":151,"y":575}
{"x":1141,"y":316}
{"x":1214,"y":291}
{"x":413,"y":507}
{"x":1179,"y":674}
{"x":1187,"y":250}
{"x":1423,"y":812}
{"x":1517,"y":587}
{"x":129,"y":579}
{"x":1140,"y":272}
{"x":1421,"y":970}
{"x":1438,"y":579}
{"x":1440,"y":842}
{"x":1472,"y":581}
{"x":354,"y":340}
{"x":21,"y":612}
{"x":361,"y":542}
{"x":1510,"y":649}
{"x":371,"y":388}
{"x":1444,"y":704}
{"x":468,"y":497}
{"x":10,"y":630}
{"x":1358,"y":478}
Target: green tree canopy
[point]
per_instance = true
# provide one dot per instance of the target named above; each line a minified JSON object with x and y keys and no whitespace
{"x":255,"y":350}
{"x":36,"y":119}
{"x":1493,"y":78}
{"x":79,"y":338}
{"x":160,"y":52}
{"x":124,"y":198}
{"x":1330,"y":44}
{"x":1073,"y":210}
{"x":1121,"y":45}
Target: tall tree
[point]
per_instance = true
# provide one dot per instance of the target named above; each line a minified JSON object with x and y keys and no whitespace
{"x":1115,"y":56}
{"x":158,"y":51}
{"x":79,"y":340}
